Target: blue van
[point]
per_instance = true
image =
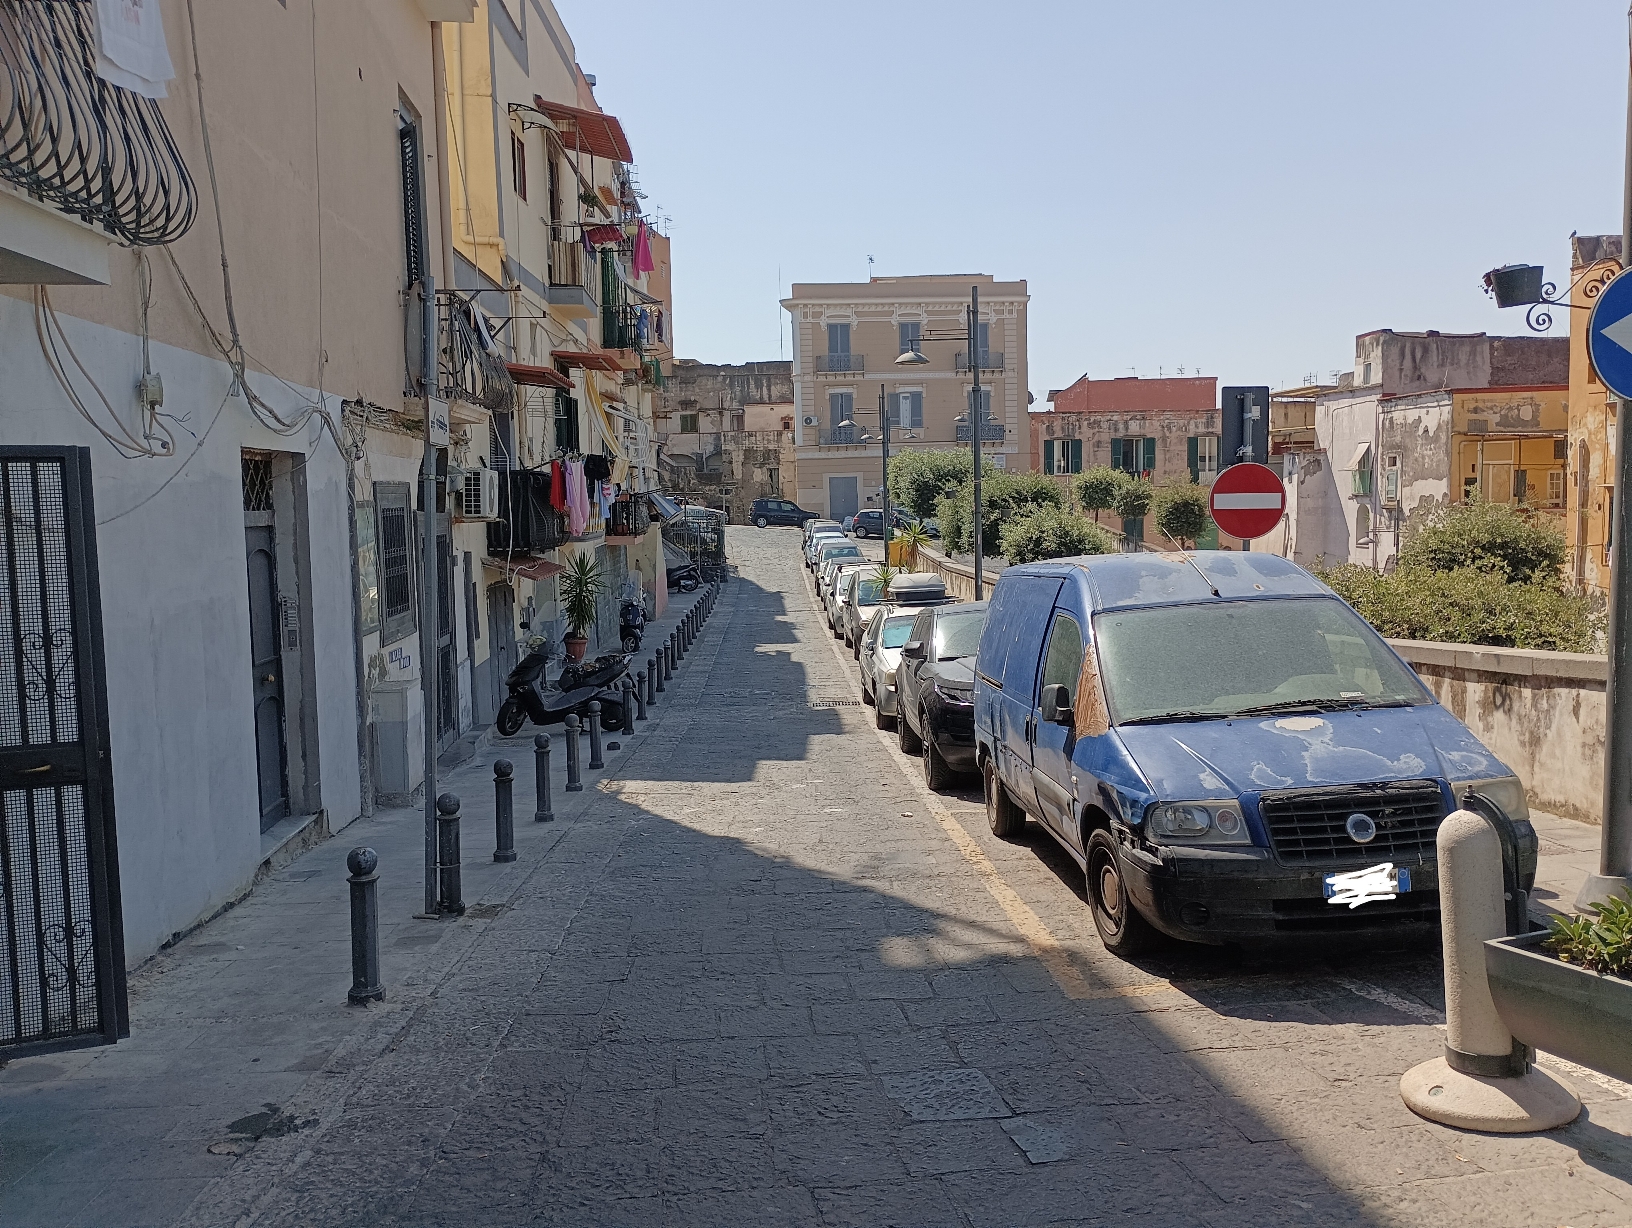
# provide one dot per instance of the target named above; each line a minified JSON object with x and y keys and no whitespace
{"x":1215,"y":737}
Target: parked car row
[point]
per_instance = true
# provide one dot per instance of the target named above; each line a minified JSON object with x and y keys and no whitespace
{"x":1216,"y":738}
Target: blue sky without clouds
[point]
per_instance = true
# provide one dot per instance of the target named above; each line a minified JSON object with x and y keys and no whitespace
{"x":1241,"y":185}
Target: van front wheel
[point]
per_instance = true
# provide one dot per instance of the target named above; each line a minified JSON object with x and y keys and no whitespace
{"x":1123,"y":931}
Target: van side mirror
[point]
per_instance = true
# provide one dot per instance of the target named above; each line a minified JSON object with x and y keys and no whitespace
{"x":1057,"y":704}
{"x":914,"y":649}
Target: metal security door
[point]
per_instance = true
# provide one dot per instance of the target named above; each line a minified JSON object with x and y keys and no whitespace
{"x":62,"y":948}
{"x":266,"y":663}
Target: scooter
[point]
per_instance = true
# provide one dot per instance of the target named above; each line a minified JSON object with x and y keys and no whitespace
{"x":531,"y":698}
{"x":632,"y":625}
{"x":685,"y":577}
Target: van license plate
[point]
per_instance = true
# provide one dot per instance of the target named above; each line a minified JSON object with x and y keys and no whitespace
{"x":1375,"y":882}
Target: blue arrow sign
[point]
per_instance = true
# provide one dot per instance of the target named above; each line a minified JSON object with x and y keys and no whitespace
{"x":1609,"y":336}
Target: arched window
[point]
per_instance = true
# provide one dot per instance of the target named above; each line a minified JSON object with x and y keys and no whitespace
{"x":1362,"y":525}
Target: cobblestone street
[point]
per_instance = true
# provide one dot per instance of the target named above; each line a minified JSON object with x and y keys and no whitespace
{"x":761,"y":975}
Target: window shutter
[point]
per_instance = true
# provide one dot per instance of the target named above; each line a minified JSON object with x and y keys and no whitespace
{"x":1076,"y":456}
{"x":1048,"y":456}
{"x":1192,"y":453}
{"x":1150,"y":454}
{"x":1116,"y":454}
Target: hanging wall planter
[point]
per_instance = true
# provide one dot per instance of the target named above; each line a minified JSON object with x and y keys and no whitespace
{"x":1579,"y":1015}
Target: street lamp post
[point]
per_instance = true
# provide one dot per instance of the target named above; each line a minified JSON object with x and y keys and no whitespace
{"x":884,"y":439}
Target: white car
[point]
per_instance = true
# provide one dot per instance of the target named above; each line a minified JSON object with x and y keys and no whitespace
{"x":826,"y":537}
{"x":887,"y":630}
{"x":833,"y":595}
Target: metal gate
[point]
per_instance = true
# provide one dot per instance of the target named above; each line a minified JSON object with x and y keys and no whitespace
{"x":62,"y":950}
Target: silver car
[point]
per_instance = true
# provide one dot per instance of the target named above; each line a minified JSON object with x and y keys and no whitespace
{"x":851,"y":582}
{"x":866,"y":593}
{"x":827,"y":550}
{"x":835,"y":583}
{"x":887,"y":630}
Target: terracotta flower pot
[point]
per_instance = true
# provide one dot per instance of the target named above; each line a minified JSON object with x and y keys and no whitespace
{"x":575,"y":646}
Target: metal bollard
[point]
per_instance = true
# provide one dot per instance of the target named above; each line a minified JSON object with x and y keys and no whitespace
{"x":364,"y":864}
{"x":628,"y":688}
{"x":452,"y":895}
{"x":654,"y":681}
{"x":595,"y":760}
{"x":575,"y":782}
{"x":643,"y":684}
{"x":665,"y":653}
{"x":504,"y":816}
{"x":541,"y":779}
{"x":678,"y":636}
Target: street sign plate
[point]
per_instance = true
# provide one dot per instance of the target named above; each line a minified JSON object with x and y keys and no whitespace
{"x":1609,"y":336}
{"x":1247,"y":500}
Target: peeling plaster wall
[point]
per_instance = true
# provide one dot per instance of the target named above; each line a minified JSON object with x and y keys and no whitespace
{"x":1418,"y":430}
{"x":1541,"y":713}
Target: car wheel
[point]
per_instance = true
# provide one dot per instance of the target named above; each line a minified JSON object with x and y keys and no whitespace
{"x":761,"y":521}
{"x":908,"y":741}
{"x":936,"y":774}
{"x":1123,"y":931}
{"x":512,"y":716}
{"x":866,"y":695}
{"x":860,"y":532}
{"x":1003,"y":816}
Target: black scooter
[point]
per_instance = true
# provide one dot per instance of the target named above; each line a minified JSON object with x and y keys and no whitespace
{"x":531,"y":698}
{"x":632,"y":625}
{"x":685,"y":577}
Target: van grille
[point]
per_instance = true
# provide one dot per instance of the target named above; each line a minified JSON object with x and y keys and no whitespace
{"x":1307,"y":826}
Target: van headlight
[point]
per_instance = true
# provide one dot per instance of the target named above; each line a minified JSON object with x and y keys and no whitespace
{"x":1197,"y":823}
{"x":1506,"y":791}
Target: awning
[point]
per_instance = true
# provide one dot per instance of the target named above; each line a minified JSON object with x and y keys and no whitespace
{"x":526,"y":569}
{"x":1362,"y":457}
{"x":537,"y":377}
{"x":590,"y":131}
{"x":665,"y":507}
{"x":591,"y":360}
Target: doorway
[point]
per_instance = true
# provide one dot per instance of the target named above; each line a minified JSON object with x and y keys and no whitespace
{"x":501,"y":632}
{"x":843,"y":498}
{"x":265,"y":646}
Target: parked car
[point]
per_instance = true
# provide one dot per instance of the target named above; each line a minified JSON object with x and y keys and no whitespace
{"x":814,"y":526}
{"x":1214,"y":737}
{"x":858,"y":583}
{"x":823,"y":537}
{"x":935,"y":685}
{"x":834,"y":586}
{"x":828,"y":549}
{"x":870,"y":522}
{"x":867,"y":592}
{"x":887,"y":630}
{"x":766,"y":512}
{"x":847,"y":522}
{"x":931,"y":527}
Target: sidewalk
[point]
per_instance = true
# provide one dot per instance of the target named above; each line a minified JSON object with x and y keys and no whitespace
{"x":1569,"y":852}
{"x":241,"y":1031}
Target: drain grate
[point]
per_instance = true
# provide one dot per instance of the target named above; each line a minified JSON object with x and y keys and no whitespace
{"x":835,"y":703}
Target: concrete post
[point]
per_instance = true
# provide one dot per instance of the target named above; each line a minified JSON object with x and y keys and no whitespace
{"x":595,"y":760}
{"x":677,"y":636}
{"x":364,"y":865}
{"x":1484,"y":1080}
{"x":575,"y":782}
{"x":451,"y":896}
{"x":504,"y":818}
{"x":668,"y":658}
{"x":642,"y":683}
{"x":628,"y":687}
{"x":654,"y":675}
{"x":542,"y":813}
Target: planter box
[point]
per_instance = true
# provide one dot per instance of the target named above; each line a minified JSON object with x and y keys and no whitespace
{"x":1583,"y":1016}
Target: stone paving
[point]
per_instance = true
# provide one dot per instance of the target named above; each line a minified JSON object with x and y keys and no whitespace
{"x":757,"y":974}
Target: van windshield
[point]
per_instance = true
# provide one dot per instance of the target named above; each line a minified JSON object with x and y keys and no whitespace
{"x":1247,"y":658}
{"x":896,"y":631}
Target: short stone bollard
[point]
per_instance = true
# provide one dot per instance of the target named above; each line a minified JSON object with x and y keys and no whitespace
{"x":541,"y":779}
{"x":643,"y":684}
{"x":654,"y":676}
{"x":595,"y":760}
{"x":628,"y":687}
{"x":504,"y":817}
{"x":451,"y":895}
{"x":364,"y":864}
{"x":575,"y":783}
{"x":666,"y":651}
{"x":678,"y":637}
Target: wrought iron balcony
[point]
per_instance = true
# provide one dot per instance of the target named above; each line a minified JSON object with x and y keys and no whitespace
{"x":469,"y":367}
{"x":839,"y":436}
{"x":574,"y":280}
{"x":527,"y":522}
{"x":990,"y":360}
{"x":630,"y":518}
{"x":620,"y":328}
{"x":991,"y":432}
{"x":841,"y":364}
{"x":69,"y":138}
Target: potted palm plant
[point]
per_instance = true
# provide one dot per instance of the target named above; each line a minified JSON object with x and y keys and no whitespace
{"x":581,"y":587}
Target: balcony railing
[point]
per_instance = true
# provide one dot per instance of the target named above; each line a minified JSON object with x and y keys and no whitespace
{"x":620,"y":329}
{"x":69,"y":138}
{"x":527,"y":522}
{"x":990,"y":360}
{"x":841,"y":364}
{"x":630,"y":518}
{"x":840,"y":436}
{"x":990,"y":432}
{"x":757,"y":439}
{"x":469,"y":367}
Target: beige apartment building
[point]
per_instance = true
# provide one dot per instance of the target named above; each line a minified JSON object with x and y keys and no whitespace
{"x":846,"y":338}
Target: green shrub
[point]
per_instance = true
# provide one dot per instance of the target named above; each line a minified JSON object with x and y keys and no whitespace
{"x":1469,"y":606}
{"x":1096,"y":488}
{"x":1002,"y":495}
{"x":919,"y":479}
{"x":1133,"y":499}
{"x":1599,"y":943}
{"x":1490,"y":536}
{"x":1043,"y":532}
{"x":1183,"y":511}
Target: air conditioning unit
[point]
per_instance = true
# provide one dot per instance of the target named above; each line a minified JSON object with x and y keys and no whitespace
{"x":811,"y":419}
{"x":478,"y":495}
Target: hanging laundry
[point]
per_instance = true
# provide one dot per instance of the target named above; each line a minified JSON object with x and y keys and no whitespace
{"x":558,"y":486}
{"x":606,"y":500}
{"x":643,"y":325}
{"x":597,"y":467}
{"x":583,"y":237}
{"x":577,"y":499}
{"x":658,"y":311}
{"x":643,"y":251}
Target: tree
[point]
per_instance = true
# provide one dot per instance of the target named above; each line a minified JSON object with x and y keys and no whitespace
{"x":1489,"y":536}
{"x":1183,"y":511}
{"x":919,"y":479}
{"x":1096,"y":489}
{"x":1133,"y":499}
{"x":1043,"y":532}
{"x":1002,"y":495}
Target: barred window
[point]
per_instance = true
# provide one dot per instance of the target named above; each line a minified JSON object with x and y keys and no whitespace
{"x":393,"y":503}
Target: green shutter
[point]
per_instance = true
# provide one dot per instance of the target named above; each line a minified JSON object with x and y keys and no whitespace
{"x":1192,"y":452}
{"x":1150,"y":455}
{"x":1048,"y":456}
{"x":1116,"y":454}
{"x":1076,"y":456}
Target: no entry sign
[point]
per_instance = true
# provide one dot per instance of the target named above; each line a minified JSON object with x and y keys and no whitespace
{"x":1247,"y":500}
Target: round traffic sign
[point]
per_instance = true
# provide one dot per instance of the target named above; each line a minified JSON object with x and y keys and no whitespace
{"x":1609,"y":336}
{"x":1247,"y":500}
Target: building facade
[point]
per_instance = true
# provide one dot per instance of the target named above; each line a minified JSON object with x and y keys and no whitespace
{"x":1590,"y":481}
{"x":1163,"y":430}
{"x":846,"y":338}
{"x":725,"y":433}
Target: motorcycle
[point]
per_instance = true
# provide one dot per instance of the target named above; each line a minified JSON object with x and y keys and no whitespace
{"x":631,"y":625}
{"x":685,"y":577}
{"x":531,"y":698}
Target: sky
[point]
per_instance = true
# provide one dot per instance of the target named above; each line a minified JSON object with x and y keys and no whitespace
{"x":1238,"y":187}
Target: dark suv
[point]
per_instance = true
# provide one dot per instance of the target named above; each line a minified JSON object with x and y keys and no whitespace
{"x":870,"y":522}
{"x":767,"y":512}
{"x":935,"y":690}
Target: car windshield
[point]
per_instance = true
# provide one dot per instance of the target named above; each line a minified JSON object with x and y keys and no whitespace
{"x":1245,"y":658}
{"x":958,"y":635}
{"x":841,"y":552}
{"x":870,"y":592}
{"x":896,"y":631}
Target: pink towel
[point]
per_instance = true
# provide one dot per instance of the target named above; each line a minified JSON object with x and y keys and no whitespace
{"x":643,"y":252}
